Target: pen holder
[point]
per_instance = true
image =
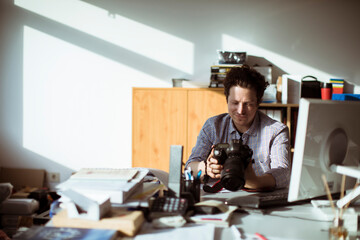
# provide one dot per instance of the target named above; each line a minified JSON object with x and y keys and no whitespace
{"x":337,"y":231}
{"x":193,"y":188}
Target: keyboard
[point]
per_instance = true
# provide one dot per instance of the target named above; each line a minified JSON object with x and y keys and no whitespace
{"x":260,"y":200}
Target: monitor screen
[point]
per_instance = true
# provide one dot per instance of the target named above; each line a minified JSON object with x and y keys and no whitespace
{"x":328,"y":132}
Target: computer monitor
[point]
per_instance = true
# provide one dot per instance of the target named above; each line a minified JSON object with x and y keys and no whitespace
{"x":327,"y":133}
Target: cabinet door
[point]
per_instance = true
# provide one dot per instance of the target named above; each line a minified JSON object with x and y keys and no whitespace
{"x":203,"y":103}
{"x":159,"y":120}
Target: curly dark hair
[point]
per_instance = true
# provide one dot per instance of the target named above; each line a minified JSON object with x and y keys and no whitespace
{"x":246,"y":77}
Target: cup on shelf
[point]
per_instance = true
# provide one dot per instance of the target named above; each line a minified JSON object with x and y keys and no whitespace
{"x":326,"y":91}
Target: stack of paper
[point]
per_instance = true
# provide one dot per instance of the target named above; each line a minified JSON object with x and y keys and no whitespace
{"x":220,"y":219}
{"x":117,"y":184}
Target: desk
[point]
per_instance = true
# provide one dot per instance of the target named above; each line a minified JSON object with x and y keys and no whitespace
{"x":301,"y":221}
{"x":291,"y":222}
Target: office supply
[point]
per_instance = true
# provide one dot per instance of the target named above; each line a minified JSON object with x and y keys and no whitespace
{"x":46,"y":233}
{"x":260,"y":236}
{"x":175,"y":170}
{"x":327,"y":140}
{"x":198,"y":175}
{"x":191,"y":190}
{"x":210,"y":207}
{"x":169,"y":221}
{"x":167,"y":206}
{"x":188,"y":175}
{"x":126,"y":222}
{"x":220,"y":218}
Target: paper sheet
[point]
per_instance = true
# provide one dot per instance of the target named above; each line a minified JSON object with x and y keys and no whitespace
{"x":189,"y":231}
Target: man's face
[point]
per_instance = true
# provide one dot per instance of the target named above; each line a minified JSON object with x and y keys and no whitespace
{"x":242,"y":107}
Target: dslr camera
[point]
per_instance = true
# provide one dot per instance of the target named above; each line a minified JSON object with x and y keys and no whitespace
{"x":235,"y":157}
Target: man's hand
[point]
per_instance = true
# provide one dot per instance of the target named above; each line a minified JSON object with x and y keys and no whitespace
{"x":213,"y":168}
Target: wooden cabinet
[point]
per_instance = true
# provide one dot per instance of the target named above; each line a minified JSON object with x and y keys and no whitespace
{"x":159,"y":120}
{"x":202,"y":104}
{"x":174,"y":116}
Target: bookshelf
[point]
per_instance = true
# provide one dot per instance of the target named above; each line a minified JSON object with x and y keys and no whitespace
{"x":174,"y":116}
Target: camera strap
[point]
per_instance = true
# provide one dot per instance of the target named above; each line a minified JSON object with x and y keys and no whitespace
{"x":217,"y":187}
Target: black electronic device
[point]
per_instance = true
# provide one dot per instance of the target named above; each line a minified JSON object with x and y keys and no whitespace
{"x":167,"y":206}
{"x":235,"y":157}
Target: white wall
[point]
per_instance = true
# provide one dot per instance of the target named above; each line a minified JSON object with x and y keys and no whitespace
{"x":67,"y":68}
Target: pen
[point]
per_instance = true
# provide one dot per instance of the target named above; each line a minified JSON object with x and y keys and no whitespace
{"x":260,"y":236}
{"x":198,"y":175}
{"x":191,"y":177}
{"x":211,"y":219}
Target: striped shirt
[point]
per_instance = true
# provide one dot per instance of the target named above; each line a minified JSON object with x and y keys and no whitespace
{"x":268,"y":138}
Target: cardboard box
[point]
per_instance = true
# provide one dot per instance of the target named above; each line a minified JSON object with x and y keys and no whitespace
{"x":21,"y":177}
{"x":126,"y":222}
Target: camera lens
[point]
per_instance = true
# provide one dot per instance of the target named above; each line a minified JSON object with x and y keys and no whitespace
{"x":232,"y":176}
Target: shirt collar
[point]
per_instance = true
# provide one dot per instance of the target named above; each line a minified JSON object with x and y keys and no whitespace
{"x":253,"y":128}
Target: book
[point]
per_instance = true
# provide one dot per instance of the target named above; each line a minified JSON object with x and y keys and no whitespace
{"x":125,"y":174}
{"x":45,"y":233}
{"x":117,"y":190}
{"x":126,"y":222}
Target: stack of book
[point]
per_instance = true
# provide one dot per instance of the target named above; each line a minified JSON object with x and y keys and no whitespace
{"x":337,"y":85}
{"x":221,"y":218}
{"x":89,"y":196}
{"x":117,"y":184}
{"x":218,"y":74}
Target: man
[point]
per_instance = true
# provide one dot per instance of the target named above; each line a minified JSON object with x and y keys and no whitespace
{"x":244,"y":88}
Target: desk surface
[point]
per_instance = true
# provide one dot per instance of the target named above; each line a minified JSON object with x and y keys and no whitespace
{"x":292,"y":222}
{"x":287,"y":222}
{"x":302,"y":221}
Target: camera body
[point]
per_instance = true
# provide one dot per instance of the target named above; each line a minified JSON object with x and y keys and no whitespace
{"x":235,"y":157}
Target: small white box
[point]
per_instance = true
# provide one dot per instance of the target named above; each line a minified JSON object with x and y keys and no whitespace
{"x":84,"y":207}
